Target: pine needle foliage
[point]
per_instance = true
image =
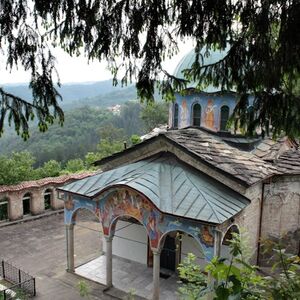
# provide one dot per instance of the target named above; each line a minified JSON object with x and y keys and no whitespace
{"x":135,"y":36}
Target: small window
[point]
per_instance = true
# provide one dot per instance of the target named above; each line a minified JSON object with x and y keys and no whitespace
{"x":26,"y":204}
{"x":196,"y":114}
{"x":47,"y":199}
{"x":176,"y":111}
{"x":224,"y":117}
{"x":60,"y":195}
{"x":3,"y":209}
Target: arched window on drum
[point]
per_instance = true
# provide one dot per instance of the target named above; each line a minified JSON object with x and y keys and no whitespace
{"x":176,"y":112}
{"x":224,"y":118}
{"x":196,"y":114}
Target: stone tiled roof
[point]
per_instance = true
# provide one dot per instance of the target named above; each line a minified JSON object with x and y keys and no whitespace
{"x":270,"y":150}
{"x":249,"y":165}
{"x":156,"y":131}
{"x":210,"y":148}
{"x":43,"y":182}
{"x":289,"y":162}
{"x":283,"y":153}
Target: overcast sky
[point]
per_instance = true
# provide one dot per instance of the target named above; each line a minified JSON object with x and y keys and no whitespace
{"x":76,"y":69}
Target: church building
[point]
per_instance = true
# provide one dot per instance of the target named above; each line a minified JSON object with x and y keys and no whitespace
{"x":188,"y":188}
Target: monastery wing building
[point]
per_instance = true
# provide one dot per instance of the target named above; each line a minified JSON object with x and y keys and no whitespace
{"x":198,"y":179}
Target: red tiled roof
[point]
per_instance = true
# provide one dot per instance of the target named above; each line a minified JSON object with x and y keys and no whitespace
{"x":44,"y":181}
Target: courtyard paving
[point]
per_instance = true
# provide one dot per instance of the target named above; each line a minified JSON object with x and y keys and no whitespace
{"x":129,"y":275}
{"x":39,"y":248}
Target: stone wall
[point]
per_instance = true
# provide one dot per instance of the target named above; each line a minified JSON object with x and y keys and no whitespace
{"x":247,"y":220}
{"x":37,"y":203}
{"x":280,"y":217}
{"x":281,"y":213}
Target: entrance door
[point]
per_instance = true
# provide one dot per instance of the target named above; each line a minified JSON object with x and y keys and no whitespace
{"x":168,"y":254}
{"x":47,"y":200}
{"x":26,"y":206}
{"x":3,"y":210}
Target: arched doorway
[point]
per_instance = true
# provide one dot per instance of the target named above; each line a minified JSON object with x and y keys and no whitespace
{"x":130,"y":235}
{"x":26,"y":202}
{"x":227,"y":238}
{"x":130,"y":256}
{"x":87,"y":236}
{"x":48,"y":198}
{"x":175,"y":247}
{"x":4,"y":209}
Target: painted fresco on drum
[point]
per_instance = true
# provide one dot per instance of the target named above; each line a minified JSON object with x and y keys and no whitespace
{"x":210,"y":106}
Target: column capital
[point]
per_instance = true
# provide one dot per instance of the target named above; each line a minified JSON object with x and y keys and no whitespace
{"x":69,"y":226}
{"x":108,"y":238}
{"x":217,"y":230}
{"x":155,"y":251}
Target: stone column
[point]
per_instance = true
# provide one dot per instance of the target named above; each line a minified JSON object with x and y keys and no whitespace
{"x":37,"y":202}
{"x":108,"y":240}
{"x":177,"y":257}
{"x":217,"y":252}
{"x":156,"y":272}
{"x":70,"y":247}
{"x":218,"y":242}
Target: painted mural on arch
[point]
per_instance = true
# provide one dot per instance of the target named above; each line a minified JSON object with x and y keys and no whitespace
{"x":127,"y":202}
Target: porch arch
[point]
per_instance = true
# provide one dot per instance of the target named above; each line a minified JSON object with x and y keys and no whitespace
{"x":226,"y":238}
{"x":130,"y":239}
{"x":202,"y":249}
{"x":83,"y":208}
{"x":122,"y":200}
{"x":233,"y":228}
{"x":114,"y":222}
{"x":88,"y":231}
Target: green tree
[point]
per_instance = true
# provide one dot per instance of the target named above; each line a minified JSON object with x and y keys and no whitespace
{"x":74,"y":165}
{"x":90,"y":158}
{"x":129,"y":119}
{"x":136,"y":36}
{"x":50,"y":168}
{"x":155,"y":114}
{"x":135,"y":139}
{"x":16,"y":168}
{"x":111,"y":133}
{"x":194,"y":281}
{"x":106,"y":147}
{"x":79,"y":135}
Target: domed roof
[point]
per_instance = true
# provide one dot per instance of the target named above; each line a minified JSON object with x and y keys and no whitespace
{"x":209,"y":57}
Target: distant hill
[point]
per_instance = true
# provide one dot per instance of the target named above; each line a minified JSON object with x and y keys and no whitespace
{"x":93,"y":94}
{"x":77,"y":91}
{"x":84,"y":106}
{"x":117,"y":96}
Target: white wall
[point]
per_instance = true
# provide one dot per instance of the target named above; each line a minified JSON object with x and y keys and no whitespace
{"x":130,"y":241}
{"x":190,"y":245}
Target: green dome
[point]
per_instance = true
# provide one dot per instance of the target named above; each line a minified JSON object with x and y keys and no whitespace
{"x":208,"y":58}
